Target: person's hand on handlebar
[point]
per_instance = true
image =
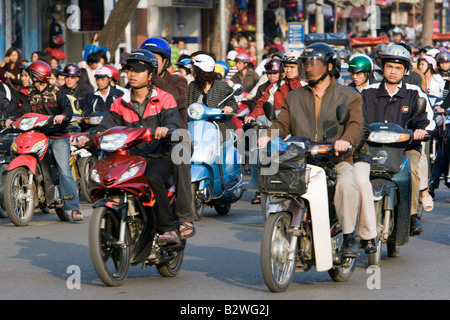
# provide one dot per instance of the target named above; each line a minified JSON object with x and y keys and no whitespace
{"x":227,"y":109}
{"x":419,"y":134}
{"x":341,"y":146}
{"x":161,"y":132}
{"x":249,"y":119}
{"x":59,"y":119}
{"x":8,"y":123}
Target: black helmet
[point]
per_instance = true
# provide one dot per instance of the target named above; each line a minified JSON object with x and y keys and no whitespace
{"x":326,"y":54}
{"x":142,"y":60}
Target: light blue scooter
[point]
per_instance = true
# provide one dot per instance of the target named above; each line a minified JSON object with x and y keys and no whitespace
{"x":215,"y":164}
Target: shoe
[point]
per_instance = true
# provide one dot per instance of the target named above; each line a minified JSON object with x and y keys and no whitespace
{"x":369,"y":246}
{"x":349,"y":248}
{"x":257,"y":198}
{"x":427,"y":202}
{"x":168,"y":238}
{"x":76,"y":215}
{"x":416,"y":228}
{"x":186,"y":227}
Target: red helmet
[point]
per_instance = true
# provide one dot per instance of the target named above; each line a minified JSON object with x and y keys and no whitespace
{"x":114,"y":71}
{"x":40,"y":70}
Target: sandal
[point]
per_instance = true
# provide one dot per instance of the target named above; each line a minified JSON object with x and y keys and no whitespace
{"x":427,"y":203}
{"x":257,"y":198}
{"x":169,"y":237}
{"x":186,"y":227}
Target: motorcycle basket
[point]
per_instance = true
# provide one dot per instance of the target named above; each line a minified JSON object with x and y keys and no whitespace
{"x":291,"y":177}
{"x":386,"y":159}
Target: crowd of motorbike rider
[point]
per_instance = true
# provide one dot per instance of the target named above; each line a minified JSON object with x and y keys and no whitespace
{"x":301,"y":84}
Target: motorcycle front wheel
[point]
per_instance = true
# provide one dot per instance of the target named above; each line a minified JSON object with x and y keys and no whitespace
{"x":373,"y":259}
{"x":197,"y":204}
{"x":18,"y":205}
{"x":111,"y":260}
{"x":85,"y":167}
{"x":277,"y":270}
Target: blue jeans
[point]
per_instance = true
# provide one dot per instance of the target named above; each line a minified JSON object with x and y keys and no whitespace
{"x":61,"y":151}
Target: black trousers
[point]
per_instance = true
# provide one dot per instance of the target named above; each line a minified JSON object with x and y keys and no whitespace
{"x":158,"y":172}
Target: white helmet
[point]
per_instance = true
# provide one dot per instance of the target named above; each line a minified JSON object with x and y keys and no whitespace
{"x":232,"y":55}
{"x":291,"y":56}
{"x":204,"y":62}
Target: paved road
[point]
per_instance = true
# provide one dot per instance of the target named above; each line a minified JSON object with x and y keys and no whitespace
{"x":221,"y":263}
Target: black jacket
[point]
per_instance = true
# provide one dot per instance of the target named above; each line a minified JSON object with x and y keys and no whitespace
{"x":398,"y":109}
{"x":95,"y":103}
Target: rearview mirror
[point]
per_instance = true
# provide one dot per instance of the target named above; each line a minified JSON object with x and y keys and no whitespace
{"x":269,"y":111}
{"x":238,"y":89}
{"x":421,"y":107}
{"x":342,"y":114}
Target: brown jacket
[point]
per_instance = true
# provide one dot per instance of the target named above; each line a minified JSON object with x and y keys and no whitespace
{"x":298,"y":115}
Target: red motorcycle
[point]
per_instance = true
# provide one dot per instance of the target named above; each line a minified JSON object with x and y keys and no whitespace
{"x":32,"y":178}
{"x":122,"y":230}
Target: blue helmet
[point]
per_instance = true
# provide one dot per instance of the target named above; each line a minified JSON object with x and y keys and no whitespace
{"x":146,"y":58}
{"x":225,"y":66}
{"x":159,"y":46}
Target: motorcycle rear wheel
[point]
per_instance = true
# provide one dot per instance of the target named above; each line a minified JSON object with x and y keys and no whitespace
{"x":173,"y":267}
{"x":111,"y":260}
{"x":278,"y":272}
{"x":20,"y":209}
{"x":85,"y":167}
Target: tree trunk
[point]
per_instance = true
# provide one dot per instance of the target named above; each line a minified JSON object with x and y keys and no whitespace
{"x":216,"y":45}
{"x":112,"y":33}
{"x":428,"y":19}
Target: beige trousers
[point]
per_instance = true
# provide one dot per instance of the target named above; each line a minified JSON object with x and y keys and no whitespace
{"x":367,"y":220}
{"x":346,"y":197}
{"x":414,"y":159}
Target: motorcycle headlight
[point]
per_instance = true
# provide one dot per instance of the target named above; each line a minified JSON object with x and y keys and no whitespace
{"x":27,"y":123}
{"x":388,"y":137}
{"x":131,"y":172}
{"x":113,"y":142}
{"x":95,"y":176}
{"x":195,"y":111}
{"x":95,"y":120}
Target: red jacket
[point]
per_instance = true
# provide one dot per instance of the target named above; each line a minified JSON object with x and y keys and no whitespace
{"x":285,"y":87}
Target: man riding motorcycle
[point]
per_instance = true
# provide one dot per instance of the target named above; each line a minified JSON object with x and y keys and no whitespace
{"x":393,"y":101}
{"x":148,"y":106}
{"x":48,"y":99}
{"x":304,"y":113}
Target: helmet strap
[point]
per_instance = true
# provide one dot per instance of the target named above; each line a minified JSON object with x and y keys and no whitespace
{"x":313,"y":83}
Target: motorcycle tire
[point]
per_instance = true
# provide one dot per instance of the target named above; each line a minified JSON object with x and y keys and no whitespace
{"x":373,"y":259}
{"x":111,"y":260}
{"x":173,"y":267}
{"x":197,"y":204}
{"x":3,"y":213}
{"x":277,"y":271}
{"x":20,"y":209}
{"x":62,"y":214}
{"x":85,"y":167}
{"x":222,"y":207}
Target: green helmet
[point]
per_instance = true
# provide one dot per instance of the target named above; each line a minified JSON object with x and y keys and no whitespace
{"x":360,"y":63}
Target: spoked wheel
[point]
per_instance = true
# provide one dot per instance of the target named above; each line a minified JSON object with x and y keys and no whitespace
{"x":373,"y":259}
{"x":197,"y":203}
{"x":110,"y":258}
{"x":173,"y":267}
{"x":18,"y":204}
{"x":278,"y":271}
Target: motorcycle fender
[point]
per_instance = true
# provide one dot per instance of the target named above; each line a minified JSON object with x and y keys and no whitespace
{"x":317,"y":196}
{"x":381,"y":188}
{"x":26,"y":161}
{"x":199,"y":173}
{"x":120,"y":208}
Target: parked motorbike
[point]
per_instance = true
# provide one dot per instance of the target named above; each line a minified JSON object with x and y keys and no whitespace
{"x":216,"y":175}
{"x":32,"y":178}
{"x":122,"y":230}
{"x":391,"y":182}
{"x":302,"y":229}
